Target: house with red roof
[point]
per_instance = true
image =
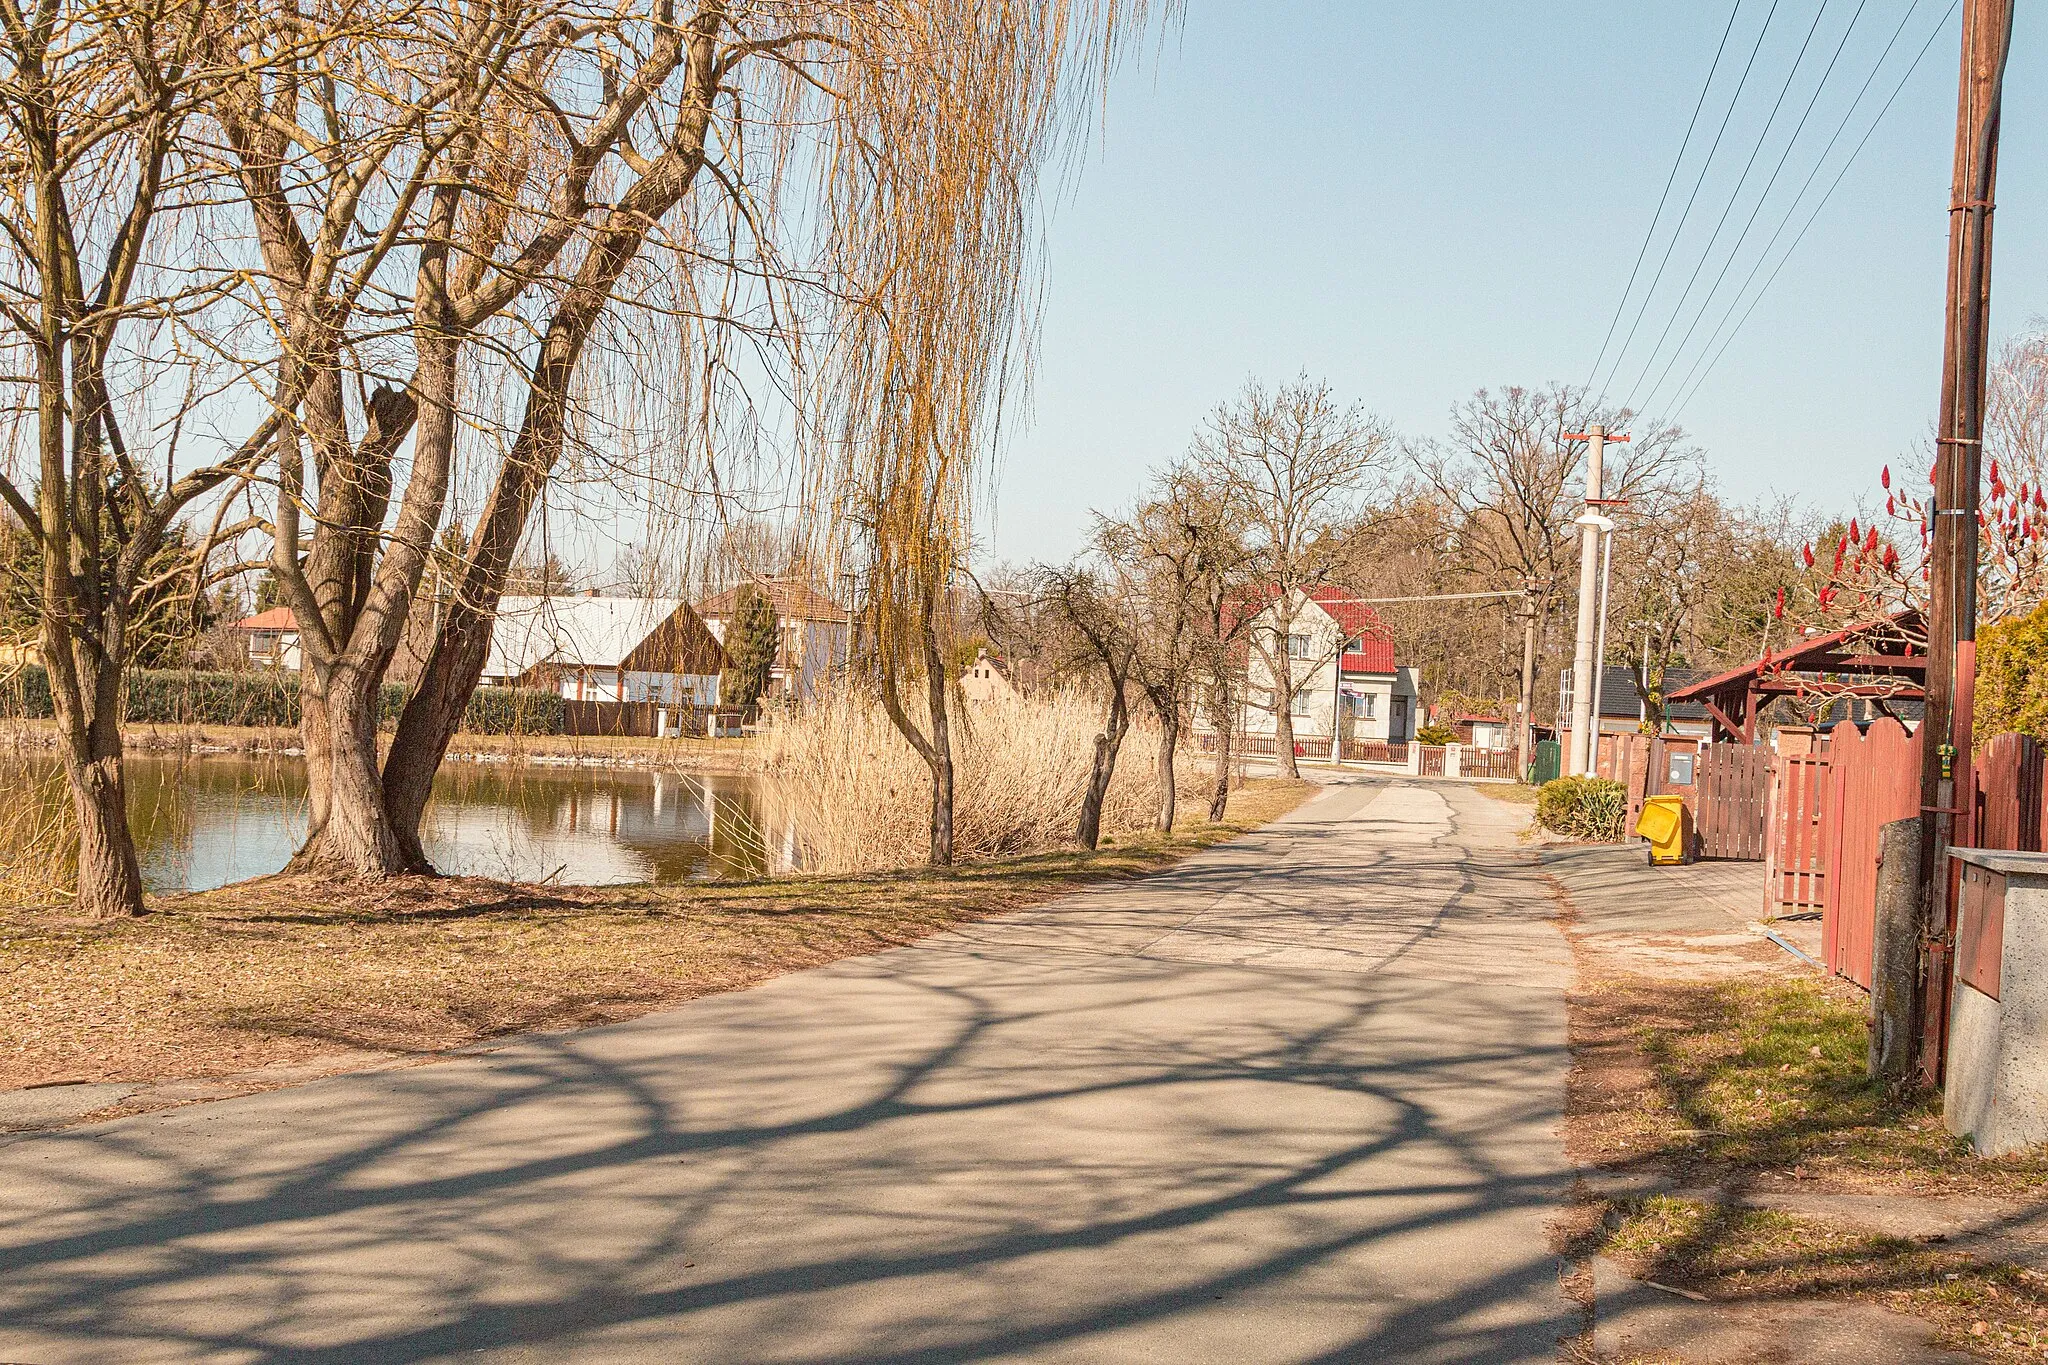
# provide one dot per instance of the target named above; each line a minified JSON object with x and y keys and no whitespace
{"x":1343,"y":676}
{"x":272,"y":638}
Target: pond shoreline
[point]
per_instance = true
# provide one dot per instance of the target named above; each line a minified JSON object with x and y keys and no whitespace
{"x":579,"y":751}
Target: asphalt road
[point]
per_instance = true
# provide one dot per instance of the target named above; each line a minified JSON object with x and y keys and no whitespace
{"x":1297,"y":1100}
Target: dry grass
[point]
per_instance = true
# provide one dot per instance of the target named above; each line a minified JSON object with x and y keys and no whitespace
{"x":1757,"y":1076}
{"x":286,"y":970}
{"x":859,"y":797}
{"x":1997,"y":1312}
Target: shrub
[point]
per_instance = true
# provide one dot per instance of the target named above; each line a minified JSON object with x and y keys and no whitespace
{"x":2012,"y":676}
{"x":1583,"y":807}
{"x":192,"y":697}
{"x":1436,"y":734}
{"x":514,"y":711}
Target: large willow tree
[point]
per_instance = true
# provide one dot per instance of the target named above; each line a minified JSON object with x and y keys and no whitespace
{"x":407,"y":260}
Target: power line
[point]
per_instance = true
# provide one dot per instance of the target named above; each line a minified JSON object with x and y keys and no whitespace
{"x":1832,"y":187}
{"x":1792,"y":209}
{"x":1686,"y":212}
{"x":1729,"y":207}
{"x":1621,"y":304}
{"x":1707,"y":300}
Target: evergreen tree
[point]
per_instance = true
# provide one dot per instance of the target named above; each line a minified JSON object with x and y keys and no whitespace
{"x":750,"y":645}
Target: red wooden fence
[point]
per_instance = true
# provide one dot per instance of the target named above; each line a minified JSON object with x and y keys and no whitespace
{"x":1873,"y":778}
{"x":1798,"y":878}
{"x":1734,"y":788}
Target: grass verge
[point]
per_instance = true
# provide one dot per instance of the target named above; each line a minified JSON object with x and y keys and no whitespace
{"x":1997,"y":1312}
{"x":1758,"y":1076}
{"x":40,"y":736}
{"x":284,"y":970}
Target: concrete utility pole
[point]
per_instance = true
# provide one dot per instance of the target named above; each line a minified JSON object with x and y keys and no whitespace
{"x":1947,"y":792}
{"x":1524,"y":738}
{"x":1583,"y":664}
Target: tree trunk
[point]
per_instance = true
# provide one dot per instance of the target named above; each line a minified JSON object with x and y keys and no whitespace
{"x":1226,"y":732}
{"x":109,"y":874}
{"x":1088,"y":829}
{"x":1169,"y":740}
{"x":1283,"y":713}
{"x":86,"y":700}
{"x":349,"y":829}
{"x":940,"y":757}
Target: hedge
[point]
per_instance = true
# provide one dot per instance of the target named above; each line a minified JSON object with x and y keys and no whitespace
{"x":182,"y":696}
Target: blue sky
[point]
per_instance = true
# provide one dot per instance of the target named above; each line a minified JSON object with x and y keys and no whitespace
{"x":1414,"y":201}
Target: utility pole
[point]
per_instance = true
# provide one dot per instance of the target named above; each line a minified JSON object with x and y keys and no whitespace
{"x":1523,"y":739}
{"x":1584,"y":644}
{"x":1947,"y":792}
{"x":1581,"y":760}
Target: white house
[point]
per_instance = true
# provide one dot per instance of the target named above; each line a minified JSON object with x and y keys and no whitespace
{"x":814,"y":633}
{"x":272,"y":638}
{"x":593,"y":648}
{"x":1341,"y":661}
{"x":987,"y":679}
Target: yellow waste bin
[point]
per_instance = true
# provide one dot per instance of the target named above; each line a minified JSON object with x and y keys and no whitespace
{"x":1667,"y":824}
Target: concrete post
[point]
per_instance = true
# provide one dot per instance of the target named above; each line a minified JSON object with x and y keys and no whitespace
{"x":1414,"y":758}
{"x":1895,"y":968}
{"x":1454,"y":760}
{"x":1580,"y":761}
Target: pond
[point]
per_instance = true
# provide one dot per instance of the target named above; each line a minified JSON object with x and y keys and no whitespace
{"x":206,"y":821}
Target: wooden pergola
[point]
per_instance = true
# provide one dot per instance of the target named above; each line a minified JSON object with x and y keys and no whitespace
{"x":1880,"y":660}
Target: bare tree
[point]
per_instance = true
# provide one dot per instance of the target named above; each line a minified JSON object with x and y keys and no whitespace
{"x":1510,"y":481}
{"x":1179,"y":560}
{"x":107,"y":274}
{"x":1095,"y":634}
{"x":1296,"y":467}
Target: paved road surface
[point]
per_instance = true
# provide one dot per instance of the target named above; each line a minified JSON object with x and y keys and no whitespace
{"x":1295,"y":1101}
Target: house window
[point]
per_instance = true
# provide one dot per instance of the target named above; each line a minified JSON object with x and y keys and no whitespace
{"x":1299,"y":706}
{"x":1298,"y":646}
{"x":1364,"y":705}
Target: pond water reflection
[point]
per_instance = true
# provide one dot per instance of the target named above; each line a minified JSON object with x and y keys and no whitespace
{"x":203,"y":822}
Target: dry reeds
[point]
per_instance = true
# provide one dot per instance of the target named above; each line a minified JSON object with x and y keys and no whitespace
{"x":857,"y":794}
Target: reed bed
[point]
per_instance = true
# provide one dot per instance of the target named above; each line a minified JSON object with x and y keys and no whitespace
{"x":859,"y":799}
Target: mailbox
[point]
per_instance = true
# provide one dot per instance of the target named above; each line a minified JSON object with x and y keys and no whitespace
{"x":1996,"y":1087}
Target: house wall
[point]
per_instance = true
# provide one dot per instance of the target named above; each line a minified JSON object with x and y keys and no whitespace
{"x":806,"y":657}
{"x":1368,"y":710}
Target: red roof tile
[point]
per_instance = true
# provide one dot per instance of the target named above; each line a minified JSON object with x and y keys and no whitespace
{"x":277,"y":618}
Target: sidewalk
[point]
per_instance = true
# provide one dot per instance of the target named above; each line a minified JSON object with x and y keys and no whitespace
{"x":1672,"y":917}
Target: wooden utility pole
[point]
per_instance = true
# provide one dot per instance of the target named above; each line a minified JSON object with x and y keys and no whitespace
{"x":1947,"y":792}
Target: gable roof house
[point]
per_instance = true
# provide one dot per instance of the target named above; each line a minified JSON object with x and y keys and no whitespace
{"x":814,"y":633}
{"x":1347,"y":682}
{"x":593,"y":648}
{"x":272,"y":638}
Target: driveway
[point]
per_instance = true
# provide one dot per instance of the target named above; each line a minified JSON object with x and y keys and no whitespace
{"x":1296,"y":1100}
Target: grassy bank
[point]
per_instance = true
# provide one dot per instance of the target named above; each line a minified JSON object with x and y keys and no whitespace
{"x":287,"y":970}
{"x":1759,"y":1078}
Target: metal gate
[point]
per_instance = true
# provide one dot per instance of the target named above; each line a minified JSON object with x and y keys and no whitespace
{"x":1432,"y":760}
{"x":1734,"y":787}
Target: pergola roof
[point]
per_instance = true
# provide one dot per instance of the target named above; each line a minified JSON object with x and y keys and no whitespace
{"x":1858,"y":660}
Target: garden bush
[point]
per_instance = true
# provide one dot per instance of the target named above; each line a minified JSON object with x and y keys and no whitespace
{"x":1583,"y":807}
{"x":1436,"y":734}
